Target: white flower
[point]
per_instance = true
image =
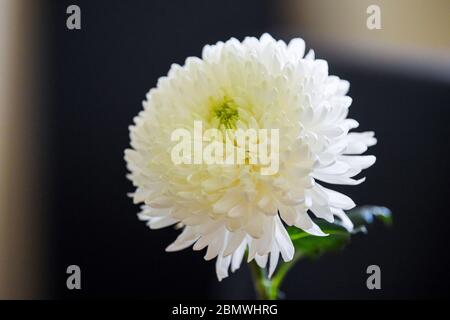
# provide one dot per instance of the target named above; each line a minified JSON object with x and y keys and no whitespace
{"x":231,"y":208}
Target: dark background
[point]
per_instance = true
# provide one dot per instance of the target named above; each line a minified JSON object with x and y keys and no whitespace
{"x":97,"y":78}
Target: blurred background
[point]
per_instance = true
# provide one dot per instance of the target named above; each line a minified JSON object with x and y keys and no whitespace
{"x":68,"y":96}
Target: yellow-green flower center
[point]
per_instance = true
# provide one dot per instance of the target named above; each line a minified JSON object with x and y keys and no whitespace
{"x":227,"y":114}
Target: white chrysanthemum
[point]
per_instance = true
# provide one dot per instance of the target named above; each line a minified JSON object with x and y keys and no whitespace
{"x":231,"y":208}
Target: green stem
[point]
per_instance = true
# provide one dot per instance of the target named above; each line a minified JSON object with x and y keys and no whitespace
{"x":259,"y":278}
{"x":269,"y":289}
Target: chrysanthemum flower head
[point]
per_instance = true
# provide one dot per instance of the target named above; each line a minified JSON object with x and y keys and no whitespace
{"x":233,"y":208}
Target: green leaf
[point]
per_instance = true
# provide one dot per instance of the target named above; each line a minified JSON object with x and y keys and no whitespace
{"x":310,"y":246}
{"x":365,"y":215}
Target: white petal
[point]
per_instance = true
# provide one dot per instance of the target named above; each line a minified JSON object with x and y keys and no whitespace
{"x":274,"y":256}
{"x":305,"y":223}
{"x":238,"y":255}
{"x":234,"y":242}
{"x":222,"y":265}
{"x":337,"y":199}
{"x":160,"y":222}
{"x":261,"y":261}
{"x":284,"y":241}
{"x":345,"y":221}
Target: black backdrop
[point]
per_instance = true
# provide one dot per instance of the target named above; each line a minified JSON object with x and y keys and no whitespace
{"x":97,"y":78}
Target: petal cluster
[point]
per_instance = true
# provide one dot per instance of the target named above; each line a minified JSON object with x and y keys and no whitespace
{"x":231,"y":209}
